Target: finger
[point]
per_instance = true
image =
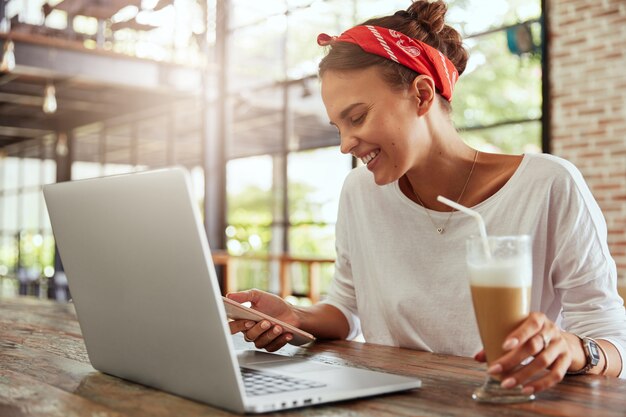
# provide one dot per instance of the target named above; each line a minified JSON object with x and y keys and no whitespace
{"x":268,"y":337}
{"x":533,"y":346}
{"x":279,"y":342}
{"x":481,"y":356}
{"x":237,"y":326}
{"x":515,"y":357}
{"x":258,"y":329}
{"x":529,"y":327}
{"x":540,"y":363}
{"x":556,"y":375}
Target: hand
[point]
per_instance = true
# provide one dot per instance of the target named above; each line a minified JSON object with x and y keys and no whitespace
{"x":540,"y":338}
{"x":263,"y":334}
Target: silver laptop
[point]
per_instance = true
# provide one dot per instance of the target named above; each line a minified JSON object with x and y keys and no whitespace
{"x":143,"y":282}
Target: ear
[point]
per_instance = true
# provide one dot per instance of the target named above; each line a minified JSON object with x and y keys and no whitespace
{"x":423,"y":89}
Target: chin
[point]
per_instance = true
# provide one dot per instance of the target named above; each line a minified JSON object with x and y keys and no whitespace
{"x":383,"y":180}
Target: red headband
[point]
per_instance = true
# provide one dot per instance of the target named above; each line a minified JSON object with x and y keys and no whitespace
{"x":411,"y":53}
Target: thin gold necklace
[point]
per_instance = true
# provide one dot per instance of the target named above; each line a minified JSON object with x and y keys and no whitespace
{"x":441,"y":229}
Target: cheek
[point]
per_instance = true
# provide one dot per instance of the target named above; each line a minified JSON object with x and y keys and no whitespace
{"x":393,"y":153}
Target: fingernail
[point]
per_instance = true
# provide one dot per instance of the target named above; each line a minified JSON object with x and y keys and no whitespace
{"x":289,"y":337}
{"x":528,"y":390}
{"x":249,"y":324}
{"x":510,"y":344}
{"x":508,"y":383}
{"x":276,"y":330}
{"x":265,"y":325}
{"x":494,"y":369}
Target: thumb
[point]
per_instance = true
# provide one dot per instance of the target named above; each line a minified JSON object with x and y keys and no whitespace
{"x":244,"y":296}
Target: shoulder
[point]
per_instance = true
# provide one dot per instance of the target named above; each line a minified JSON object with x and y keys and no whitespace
{"x":552,"y":171}
{"x":357,"y":179}
{"x":546,"y":163}
{"x":361,"y":191}
{"x":564,"y":183}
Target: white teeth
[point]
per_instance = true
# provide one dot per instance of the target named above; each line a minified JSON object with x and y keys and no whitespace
{"x":367,"y":158}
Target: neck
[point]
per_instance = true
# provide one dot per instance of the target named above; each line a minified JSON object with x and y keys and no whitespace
{"x":445,"y":172}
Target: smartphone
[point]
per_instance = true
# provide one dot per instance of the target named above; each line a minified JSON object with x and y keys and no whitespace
{"x":236,"y":311}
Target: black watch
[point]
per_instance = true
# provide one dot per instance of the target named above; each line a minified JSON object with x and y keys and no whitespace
{"x":592,"y":355}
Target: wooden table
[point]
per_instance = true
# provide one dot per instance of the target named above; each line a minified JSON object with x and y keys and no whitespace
{"x":44,"y":371}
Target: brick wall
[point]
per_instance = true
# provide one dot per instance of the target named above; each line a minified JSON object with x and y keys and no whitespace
{"x":587,"y":48}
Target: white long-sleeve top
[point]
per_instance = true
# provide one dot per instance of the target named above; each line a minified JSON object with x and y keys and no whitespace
{"x":402,"y":284}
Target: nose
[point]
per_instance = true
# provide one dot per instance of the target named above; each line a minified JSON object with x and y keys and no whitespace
{"x":348,"y":143}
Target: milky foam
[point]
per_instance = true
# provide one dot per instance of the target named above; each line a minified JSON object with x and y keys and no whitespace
{"x":512,"y":272}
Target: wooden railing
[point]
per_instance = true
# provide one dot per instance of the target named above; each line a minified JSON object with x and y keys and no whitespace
{"x":313,"y":266}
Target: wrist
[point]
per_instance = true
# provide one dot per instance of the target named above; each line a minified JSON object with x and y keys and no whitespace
{"x":299,"y":316}
{"x":596,"y":359}
{"x":577,"y":353}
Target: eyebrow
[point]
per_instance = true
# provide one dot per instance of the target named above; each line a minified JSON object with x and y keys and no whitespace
{"x":344,"y":113}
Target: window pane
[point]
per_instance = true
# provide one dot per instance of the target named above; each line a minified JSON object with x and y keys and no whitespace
{"x":257,"y":54}
{"x":312,"y":241}
{"x":299,"y":273}
{"x":497,"y":85}
{"x":49,"y":171}
{"x":315,"y":181}
{"x":30,"y":210}
{"x":31,"y":169}
{"x":304,"y":54}
{"x":197,"y":183}
{"x":245,"y":12}
{"x":31,"y":245}
{"x":47,"y":254}
{"x":474,"y":16}
{"x":251,"y":273}
{"x":82,"y":170}
{"x":8,"y":254}
{"x":511,"y":139}
{"x":113,"y":169}
{"x":11,"y":172}
{"x":8,"y":203}
{"x":249,"y":204}
{"x":367,"y":9}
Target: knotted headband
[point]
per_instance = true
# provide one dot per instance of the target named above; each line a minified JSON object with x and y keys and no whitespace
{"x":396,"y":46}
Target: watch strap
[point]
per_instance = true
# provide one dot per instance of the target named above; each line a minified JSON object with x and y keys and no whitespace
{"x":592,"y":355}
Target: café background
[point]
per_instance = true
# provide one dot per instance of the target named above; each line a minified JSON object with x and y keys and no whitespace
{"x":229,"y":89}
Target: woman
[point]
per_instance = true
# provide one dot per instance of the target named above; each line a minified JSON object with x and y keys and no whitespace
{"x":400,"y":273}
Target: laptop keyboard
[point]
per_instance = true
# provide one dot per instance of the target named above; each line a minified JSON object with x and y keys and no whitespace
{"x":263,"y":383}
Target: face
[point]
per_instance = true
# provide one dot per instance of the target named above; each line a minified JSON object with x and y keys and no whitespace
{"x":377,"y":124}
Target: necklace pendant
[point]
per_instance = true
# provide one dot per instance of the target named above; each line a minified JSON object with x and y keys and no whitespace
{"x":440,"y":230}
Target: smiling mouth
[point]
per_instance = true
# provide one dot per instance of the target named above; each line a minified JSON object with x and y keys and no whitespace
{"x":370,"y":156}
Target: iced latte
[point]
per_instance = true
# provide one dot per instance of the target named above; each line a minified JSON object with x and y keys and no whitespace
{"x":500,"y":274}
{"x":501,"y":298}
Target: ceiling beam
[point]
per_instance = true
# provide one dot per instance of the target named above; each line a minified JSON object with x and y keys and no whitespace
{"x":45,"y":59}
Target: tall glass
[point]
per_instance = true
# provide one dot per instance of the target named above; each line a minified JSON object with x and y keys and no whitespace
{"x":500,"y":281}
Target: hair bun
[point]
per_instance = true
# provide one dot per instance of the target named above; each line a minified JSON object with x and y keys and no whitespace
{"x":403,"y":13}
{"x":429,"y":15}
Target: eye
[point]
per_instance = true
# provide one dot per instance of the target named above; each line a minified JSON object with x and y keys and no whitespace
{"x":358,"y":120}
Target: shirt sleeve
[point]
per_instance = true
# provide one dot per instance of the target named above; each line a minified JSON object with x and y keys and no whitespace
{"x":341,"y":294}
{"x":583,"y":271}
